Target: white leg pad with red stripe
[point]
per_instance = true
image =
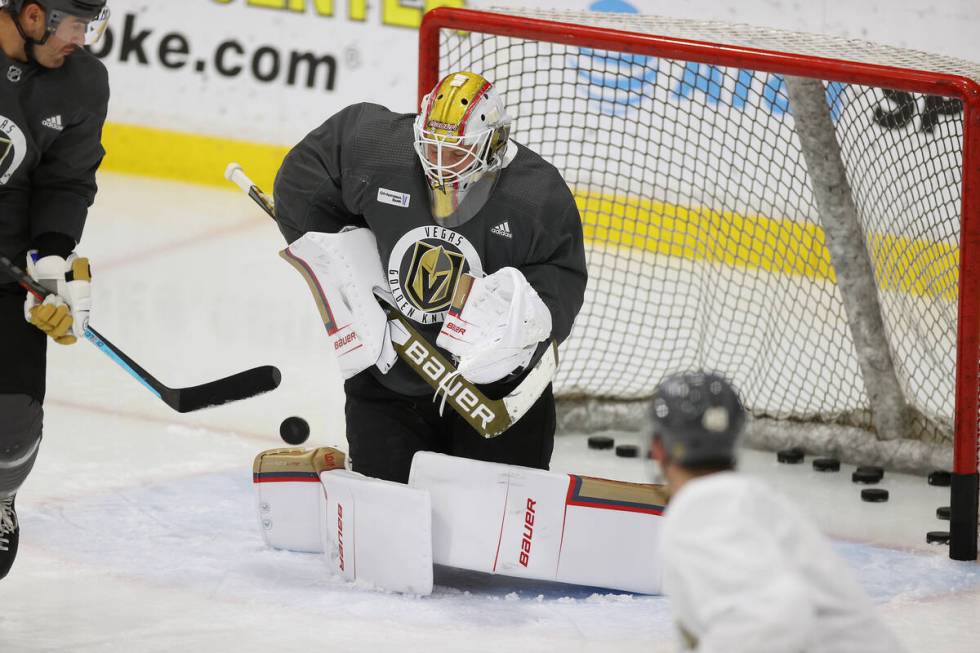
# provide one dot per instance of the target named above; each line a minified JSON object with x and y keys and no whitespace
{"x":518,"y":521}
{"x":289,"y":497}
{"x":378,"y":533}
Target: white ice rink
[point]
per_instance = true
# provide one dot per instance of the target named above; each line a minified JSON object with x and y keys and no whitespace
{"x":138,"y":531}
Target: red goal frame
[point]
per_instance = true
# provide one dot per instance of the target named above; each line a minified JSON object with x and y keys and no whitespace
{"x":966,"y":425}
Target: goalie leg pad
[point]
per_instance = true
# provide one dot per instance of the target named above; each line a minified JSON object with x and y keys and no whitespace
{"x":530,"y":523}
{"x":378,"y":532}
{"x":289,"y":498}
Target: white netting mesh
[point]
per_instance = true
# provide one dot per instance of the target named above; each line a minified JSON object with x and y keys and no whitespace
{"x":705,"y":245}
{"x":762,"y":38}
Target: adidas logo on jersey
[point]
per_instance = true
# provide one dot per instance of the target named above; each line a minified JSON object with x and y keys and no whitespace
{"x":54,"y":122}
{"x":503,"y":229}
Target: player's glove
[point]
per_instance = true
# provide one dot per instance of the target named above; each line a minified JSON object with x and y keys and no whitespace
{"x":64,"y":314}
{"x":498,"y":328}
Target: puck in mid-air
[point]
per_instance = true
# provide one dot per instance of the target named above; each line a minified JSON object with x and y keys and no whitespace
{"x":940,"y":478}
{"x":791,"y":456}
{"x":294,"y":430}
{"x":826,"y":464}
{"x":601,"y":442}
{"x":874,"y":495}
{"x":627,"y":451}
{"x":937,"y":537}
{"x":942,"y":512}
{"x":868,"y":475}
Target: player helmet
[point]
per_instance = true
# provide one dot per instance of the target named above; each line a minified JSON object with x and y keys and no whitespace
{"x":698,"y":417}
{"x":461,"y":134}
{"x":68,"y":20}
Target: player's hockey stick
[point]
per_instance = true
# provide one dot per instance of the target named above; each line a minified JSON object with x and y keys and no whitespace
{"x":184,"y":400}
{"x":489,"y":417}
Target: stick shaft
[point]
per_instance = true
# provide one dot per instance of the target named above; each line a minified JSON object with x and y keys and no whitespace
{"x":238,"y":386}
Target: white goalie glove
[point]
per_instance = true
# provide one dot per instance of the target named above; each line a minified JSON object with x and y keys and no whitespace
{"x":344,"y":274}
{"x":497,"y":329}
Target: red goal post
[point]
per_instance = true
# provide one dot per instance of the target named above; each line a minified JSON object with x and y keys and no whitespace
{"x":625,"y":42}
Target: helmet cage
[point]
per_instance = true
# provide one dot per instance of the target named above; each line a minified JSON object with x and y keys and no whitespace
{"x":448,"y":166}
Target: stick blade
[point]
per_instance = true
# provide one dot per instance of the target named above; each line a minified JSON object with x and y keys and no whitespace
{"x":231,"y":388}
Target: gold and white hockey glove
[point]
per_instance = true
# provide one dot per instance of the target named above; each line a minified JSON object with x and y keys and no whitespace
{"x":64,"y":314}
{"x":497,"y":328}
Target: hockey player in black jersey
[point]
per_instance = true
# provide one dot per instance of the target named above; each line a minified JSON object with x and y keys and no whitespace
{"x":441,"y":194}
{"x":52,"y":107}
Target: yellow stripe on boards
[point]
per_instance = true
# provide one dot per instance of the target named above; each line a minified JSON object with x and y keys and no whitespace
{"x":913,"y":266}
{"x":187,"y":157}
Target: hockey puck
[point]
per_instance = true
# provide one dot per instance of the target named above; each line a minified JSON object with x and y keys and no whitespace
{"x":791,"y":456}
{"x":874,"y":495}
{"x":937,"y":537}
{"x":940,"y":478}
{"x":627,"y":451}
{"x":294,"y":430}
{"x":601,"y":442}
{"x":868,"y":475}
{"x":826,"y":464}
{"x":942,"y":512}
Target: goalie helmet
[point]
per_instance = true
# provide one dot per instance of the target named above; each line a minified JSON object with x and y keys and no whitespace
{"x":461,"y":137}
{"x":71,"y":21}
{"x":698,"y":417}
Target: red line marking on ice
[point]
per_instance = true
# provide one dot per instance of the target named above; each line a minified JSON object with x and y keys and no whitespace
{"x":152,"y":419}
{"x":158,"y":250}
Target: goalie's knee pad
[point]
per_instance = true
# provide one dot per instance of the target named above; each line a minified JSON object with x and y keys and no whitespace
{"x":20,"y":438}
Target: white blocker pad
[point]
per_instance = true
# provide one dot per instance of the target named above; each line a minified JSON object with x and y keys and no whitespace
{"x":343,"y":271}
{"x":518,"y":521}
{"x":378,"y":532}
{"x":289,"y":498}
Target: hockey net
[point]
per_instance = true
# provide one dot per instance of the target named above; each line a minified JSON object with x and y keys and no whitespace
{"x":718,"y":236}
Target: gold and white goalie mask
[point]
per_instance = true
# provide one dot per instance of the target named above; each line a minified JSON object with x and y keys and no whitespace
{"x":461,"y":138}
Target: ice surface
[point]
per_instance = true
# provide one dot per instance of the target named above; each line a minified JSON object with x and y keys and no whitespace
{"x":138,"y":531}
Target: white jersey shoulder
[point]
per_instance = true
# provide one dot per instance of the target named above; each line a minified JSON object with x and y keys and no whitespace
{"x":745,"y":571}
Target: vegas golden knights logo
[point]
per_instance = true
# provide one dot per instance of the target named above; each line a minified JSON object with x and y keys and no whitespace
{"x":424,"y":267}
{"x":13,"y":148}
{"x":6,"y":148}
{"x":433,"y":274}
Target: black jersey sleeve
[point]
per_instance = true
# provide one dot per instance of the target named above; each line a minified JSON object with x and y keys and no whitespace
{"x":556,"y":263}
{"x":63,"y":183}
{"x":308,"y":190}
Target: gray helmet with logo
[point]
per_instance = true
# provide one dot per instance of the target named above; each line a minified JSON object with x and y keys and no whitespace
{"x":698,"y":418}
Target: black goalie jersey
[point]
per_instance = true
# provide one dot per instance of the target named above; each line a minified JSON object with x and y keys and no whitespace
{"x":360,"y":168}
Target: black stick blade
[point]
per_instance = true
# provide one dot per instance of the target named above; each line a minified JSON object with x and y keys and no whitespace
{"x":231,"y":388}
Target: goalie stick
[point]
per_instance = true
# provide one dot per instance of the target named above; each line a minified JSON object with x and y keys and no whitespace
{"x":489,"y":417}
{"x":184,"y":400}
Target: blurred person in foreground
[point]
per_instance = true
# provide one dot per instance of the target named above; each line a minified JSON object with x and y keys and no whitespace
{"x":744,"y":570}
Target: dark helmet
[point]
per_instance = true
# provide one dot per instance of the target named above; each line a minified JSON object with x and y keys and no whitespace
{"x":82,"y":8}
{"x":93,"y":15}
{"x":698,"y":417}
